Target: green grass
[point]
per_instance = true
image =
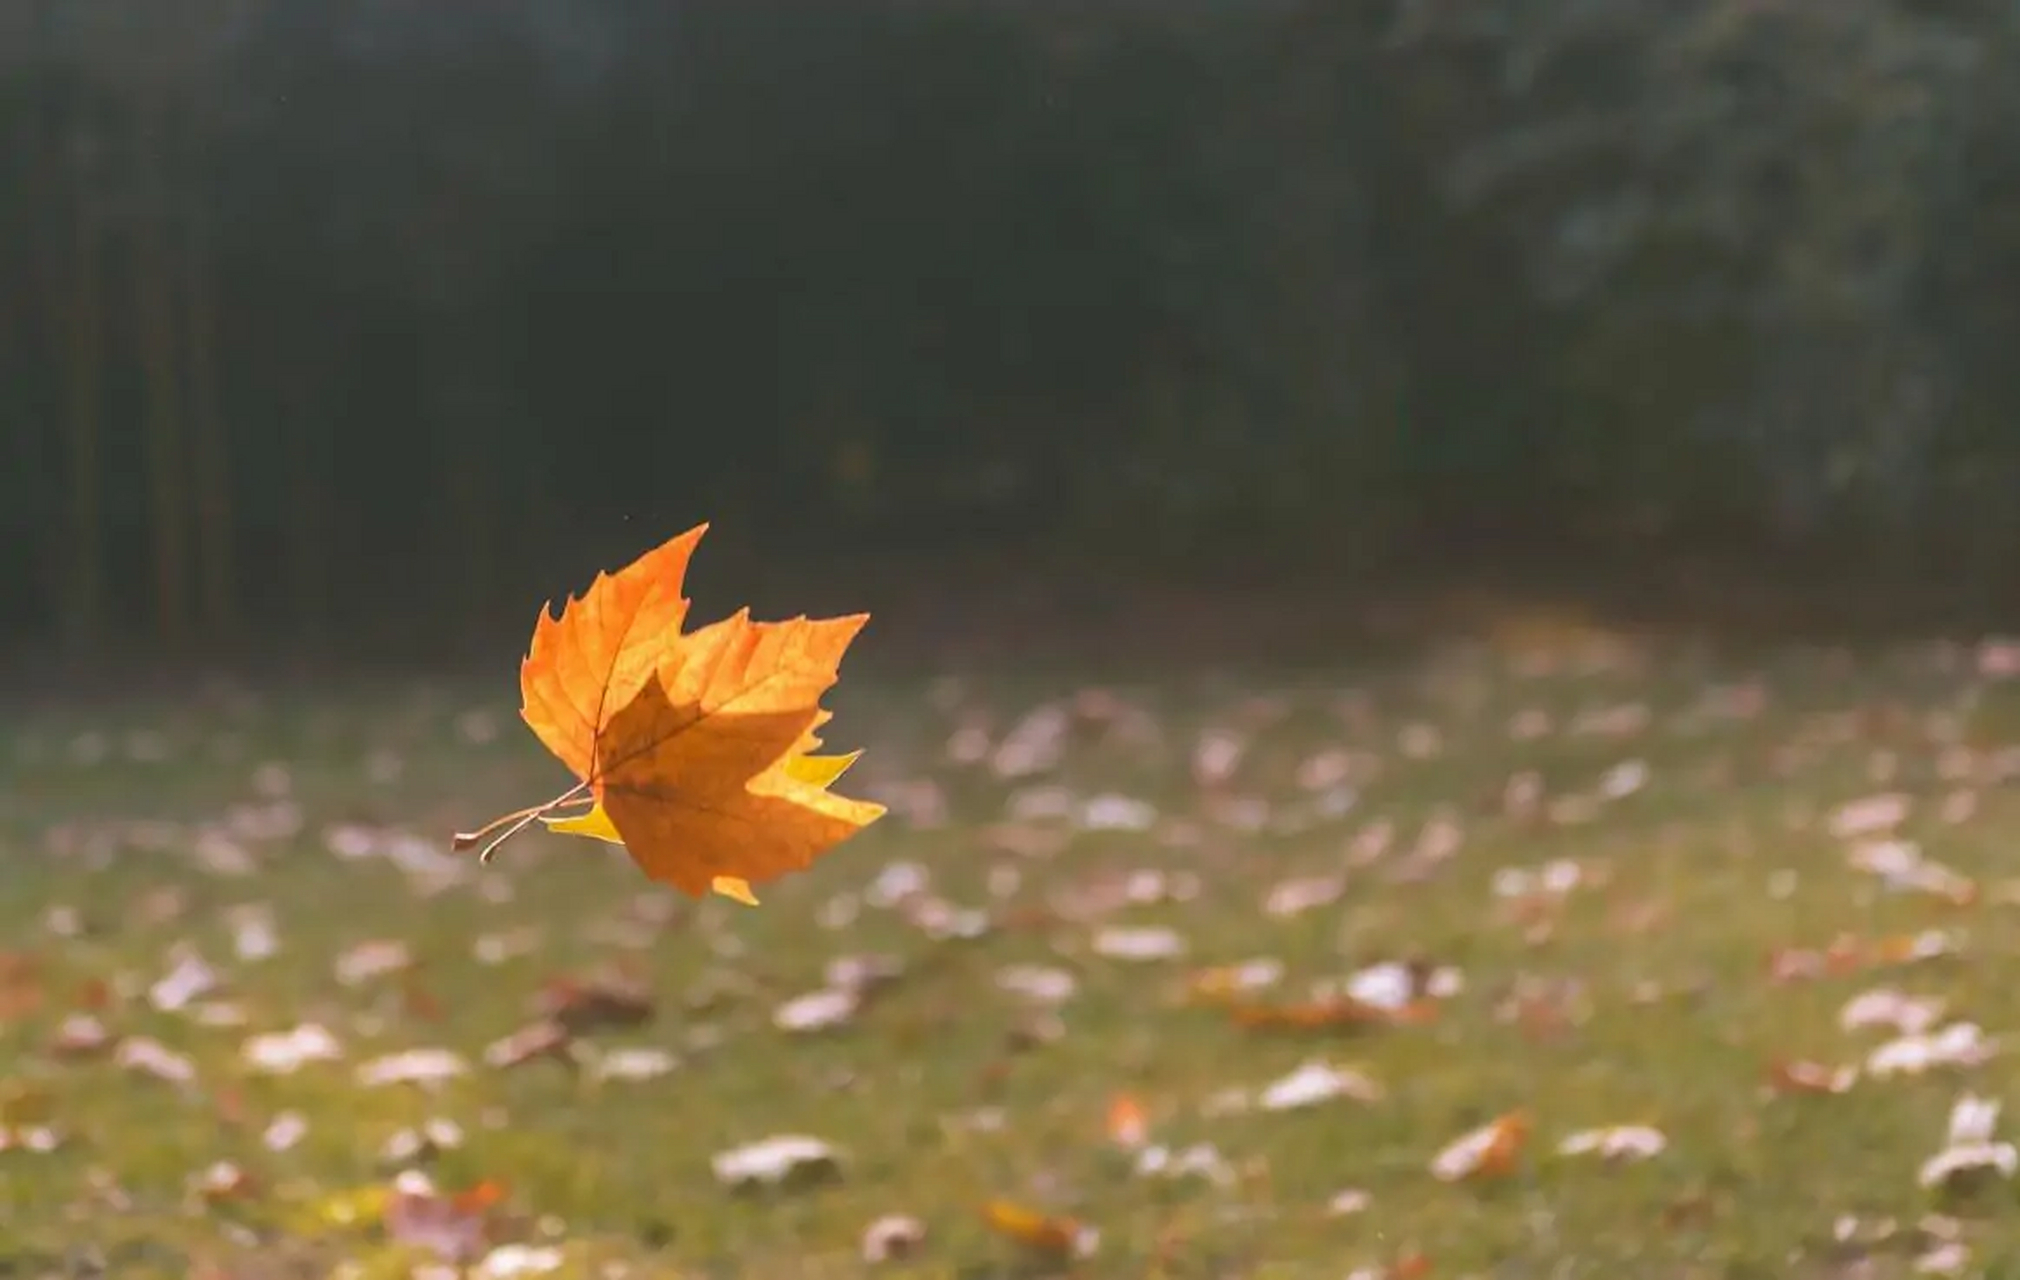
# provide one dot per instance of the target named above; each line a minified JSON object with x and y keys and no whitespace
{"x":1660,"y":961}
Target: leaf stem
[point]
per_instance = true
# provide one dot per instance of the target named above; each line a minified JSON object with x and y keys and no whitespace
{"x":517,"y":821}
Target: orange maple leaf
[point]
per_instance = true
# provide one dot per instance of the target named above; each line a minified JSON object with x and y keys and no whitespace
{"x":587,"y":663}
{"x":694,"y":749}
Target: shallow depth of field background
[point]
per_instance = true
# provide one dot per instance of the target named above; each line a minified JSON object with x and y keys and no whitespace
{"x":1514,"y":492}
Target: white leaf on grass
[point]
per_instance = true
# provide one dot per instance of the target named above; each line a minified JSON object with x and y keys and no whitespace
{"x":283,"y":1052}
{"x":1886,"y":1007}
{"x":151,"y":1057}
{"x":1139,"y":943}
{"x":1974,"y":1158}
{"x":774,"y":1161}
{"x":1960,"y":1044}
{"x":511,"y":1261}
{"x":1317,"y":1082}
{"x":634,"y":1063}
{"x":817,"y":1011}
{"x":1040,"y":984}
{"x":284,"y":1131}
{"x":1624,"y":1142}
{"x":1295,"y":897}
{"x":1201,"y":1160}
{"x":187,"y":979}
{"x":374,"y":958}
{"x":413,"y":1066}
{"x":892,"y":1237}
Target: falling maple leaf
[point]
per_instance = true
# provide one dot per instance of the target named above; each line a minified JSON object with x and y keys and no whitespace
{"x":812,"y":771}
{"x":695,"y":749}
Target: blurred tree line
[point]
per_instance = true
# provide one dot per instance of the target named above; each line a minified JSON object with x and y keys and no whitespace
{"x":306,"y":298}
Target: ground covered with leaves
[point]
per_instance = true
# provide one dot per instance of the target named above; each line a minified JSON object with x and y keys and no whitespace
{"x":1631,"y":960}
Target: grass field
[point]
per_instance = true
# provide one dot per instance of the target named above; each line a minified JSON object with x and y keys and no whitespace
{"x":1102,"y":920}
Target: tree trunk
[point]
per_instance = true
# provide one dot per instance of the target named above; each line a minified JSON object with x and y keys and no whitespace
{"x":155,"y":312}
{"x":209,"y":438}
{"x":306,"y":431}
{"x":462,"y":413}
{"x":83,"y":326}
{"x":22,"y":420}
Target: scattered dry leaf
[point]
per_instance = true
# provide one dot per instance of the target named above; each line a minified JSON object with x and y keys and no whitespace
{"x":414,"y":1066}
{"x":543,"y":1038}
{"x":456,"y":1228}
{"x":1959,"y":1044}
{"x":283,"y":1052}
{"x":822,"y":1010}
{"x":1625,"y":1142}
{"x":1802,"y":1076}
{"x":1041,"y":1232}
{"x":892,"y":1238}
{"x":776,"y":1161}
{"x":1128,"y":1126}
{"x":1139,"y":943}
{"x":1486,"y":1152}
{"x":1317,"y":1082}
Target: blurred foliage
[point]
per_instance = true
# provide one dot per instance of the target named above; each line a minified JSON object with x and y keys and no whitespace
{"x":1742,"y":212}
{"x":301,"y":294}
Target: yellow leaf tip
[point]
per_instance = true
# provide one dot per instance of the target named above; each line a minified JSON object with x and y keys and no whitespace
{"x":734,"y":889}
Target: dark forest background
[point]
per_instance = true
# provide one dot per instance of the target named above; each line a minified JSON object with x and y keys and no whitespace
{"x":324,"y":319}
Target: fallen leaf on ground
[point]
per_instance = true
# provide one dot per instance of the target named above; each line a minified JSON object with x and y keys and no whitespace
{"x":511,"y":1261}
{"x":1802,"y":1076}
{"x":1221,"y":983}
{"x":776,"y":1161}
{"x":372,"y":959}
{"x":283,"y":1052}
{"x":892,"y":1237}
{"x":1316,"y":1082}
{"x":407,"y":1146}
{"x":1040,"y":984}
{"x":541,"y":1038}
{"x":1960,"y":1044}
{"x":581,"y":1005}
{"x":1892,"y":1009}
{"x":1290,"y":898}
{"x":151,"y":1057}
{"x":822,"y":1010}
{"x":284,"y":1131}
{"x":456,"y":1228}
{"x":1201,"y":1160}
{"x":1902,"y":867}
{"x":1128,"y":1126}
{"x":414,"y":1066}
{"x":20,"y":985}
{"x":1871,"y":815}
{"x":1618,"y":1142}
{"x":1139,"y":943}
{"x":1351,"y":1201}
{"x":189,"y":978}
{"x":36,"y":1138}
{"x":1041,"y":1232}
{"x":636,"y":1063}
{"x":80,"y":1035}
{"x":1486,"y":1152}
{"x":1337,"y":1012}
{"x":1968,"y":1149}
